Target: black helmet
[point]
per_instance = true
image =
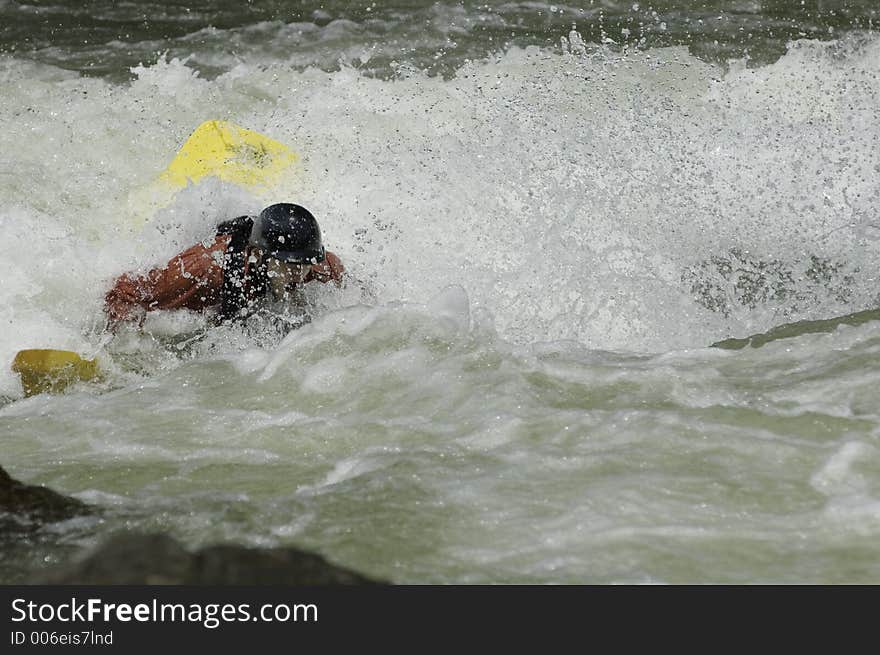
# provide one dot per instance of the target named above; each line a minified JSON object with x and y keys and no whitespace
{"x":289,"y":233}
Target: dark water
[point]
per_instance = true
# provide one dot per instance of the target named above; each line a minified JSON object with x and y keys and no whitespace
{"x":107,"y":38}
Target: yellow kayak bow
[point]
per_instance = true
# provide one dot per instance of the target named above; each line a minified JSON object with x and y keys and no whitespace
{"x":222,"y":150}
{"x":232,"y":153}
{"x":52,"y":371}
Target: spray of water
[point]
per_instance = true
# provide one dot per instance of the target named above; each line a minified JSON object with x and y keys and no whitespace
{"x":630,"y":201}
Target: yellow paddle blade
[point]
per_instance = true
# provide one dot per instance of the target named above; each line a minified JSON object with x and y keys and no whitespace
{"x":51,"y":371}
{"x":232,"y":153}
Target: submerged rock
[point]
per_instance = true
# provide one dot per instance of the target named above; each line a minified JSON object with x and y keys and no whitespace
{"x":25,"y":507}
{"x":136,"y":559}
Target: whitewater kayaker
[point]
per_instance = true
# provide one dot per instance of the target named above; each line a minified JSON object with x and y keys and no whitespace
{"x":271,"y":255}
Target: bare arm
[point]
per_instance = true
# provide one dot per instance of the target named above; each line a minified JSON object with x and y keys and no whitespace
{"x":190,"y":280}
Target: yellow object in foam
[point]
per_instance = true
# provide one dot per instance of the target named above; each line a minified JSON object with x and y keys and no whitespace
{"x":222,"y":150}
{"x":52,"y":371}
{"x":232,"y":153}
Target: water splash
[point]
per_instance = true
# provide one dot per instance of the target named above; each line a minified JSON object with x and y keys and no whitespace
{"x":574,"y":196}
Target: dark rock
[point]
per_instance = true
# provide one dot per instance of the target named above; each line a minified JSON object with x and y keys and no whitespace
{"x":127,"y":560}
{"x":134,"y":559}
{"x":26,"y":507}
{"x":234,"y":565}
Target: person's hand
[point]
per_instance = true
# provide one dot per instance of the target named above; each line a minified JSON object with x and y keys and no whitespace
{"x":116,"y":315}
{"x":330,"y":269}
{"x":119,"y":312}
{"x":122,"y":303}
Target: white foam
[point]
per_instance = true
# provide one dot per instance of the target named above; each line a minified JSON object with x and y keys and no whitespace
{"x":565,"y":194}
{"x":349,"y":469}
{"x":836,"y":477}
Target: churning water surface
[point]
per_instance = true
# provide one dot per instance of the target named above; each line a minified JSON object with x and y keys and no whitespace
{"x":550,"y":213}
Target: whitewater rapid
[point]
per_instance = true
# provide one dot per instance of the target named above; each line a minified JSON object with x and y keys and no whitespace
{"x":518,"y":388}
{"x":567,"y":193}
